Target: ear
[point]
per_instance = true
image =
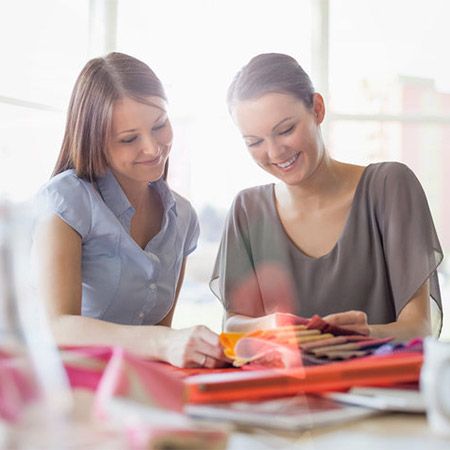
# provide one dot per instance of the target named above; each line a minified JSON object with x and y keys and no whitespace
{"x":318,"y":107}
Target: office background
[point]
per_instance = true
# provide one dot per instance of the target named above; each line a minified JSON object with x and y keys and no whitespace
{"x":381,"y":66}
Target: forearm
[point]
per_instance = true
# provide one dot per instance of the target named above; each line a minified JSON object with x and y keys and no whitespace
{"x":413,"y":321}
{"x":146,"y":341}
{"x":402,"y":331}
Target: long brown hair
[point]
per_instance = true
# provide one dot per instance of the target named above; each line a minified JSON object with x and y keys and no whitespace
{"x":100,"y":84}
{"x":271,"y":73}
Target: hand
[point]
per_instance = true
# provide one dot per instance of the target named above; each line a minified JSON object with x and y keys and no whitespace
{"x":352,"y":320}
{"x":195,"y":347}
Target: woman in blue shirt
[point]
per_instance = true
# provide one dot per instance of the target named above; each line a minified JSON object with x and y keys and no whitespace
{"x":112,"y":239}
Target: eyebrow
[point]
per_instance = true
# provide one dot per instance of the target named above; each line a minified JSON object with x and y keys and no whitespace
{"x":134,"y":129}
{"x":273,"y":128}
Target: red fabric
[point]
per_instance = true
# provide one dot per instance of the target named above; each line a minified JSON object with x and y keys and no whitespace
{"x":317,"y":323}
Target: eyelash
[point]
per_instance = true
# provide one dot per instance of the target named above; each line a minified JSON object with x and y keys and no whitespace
{"x":291,"y":128}
{"x":254,"y":144}
{"x":287,"y":131}
{"x":133,"y":138}
{"x":159,"y":127}
{"x":129,"y":140}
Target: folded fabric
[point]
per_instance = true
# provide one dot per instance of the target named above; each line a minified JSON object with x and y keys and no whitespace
{"x":315,"y":341}
{"x":266,"y":353}
{"x":318,"y":323}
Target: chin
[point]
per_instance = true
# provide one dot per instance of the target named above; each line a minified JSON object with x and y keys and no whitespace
{"x":290,"y":179}
{"x":151,"y":175}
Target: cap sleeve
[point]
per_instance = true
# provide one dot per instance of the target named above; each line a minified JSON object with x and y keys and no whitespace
{"x":67,"y":196}
{"x":233,"y":280}
{"x":411,"y":244}
{"x":193,"y":233}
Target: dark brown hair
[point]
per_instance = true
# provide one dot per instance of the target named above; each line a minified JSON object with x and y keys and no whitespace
{"x":271,"y":73}
{"x":100,"y":84}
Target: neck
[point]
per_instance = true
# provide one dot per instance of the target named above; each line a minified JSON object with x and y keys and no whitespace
{"x":325,"y":182}
{"x":137,"y":192}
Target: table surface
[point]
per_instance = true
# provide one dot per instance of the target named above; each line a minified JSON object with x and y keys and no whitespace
{"x":385,"y":431}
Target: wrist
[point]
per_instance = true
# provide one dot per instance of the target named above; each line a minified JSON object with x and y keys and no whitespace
{"x":163,"y":347}
{"x":153,"y":341}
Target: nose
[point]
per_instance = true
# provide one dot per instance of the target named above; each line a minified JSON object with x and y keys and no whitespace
{"x":150,"y":146}
{"x":274,"y":150}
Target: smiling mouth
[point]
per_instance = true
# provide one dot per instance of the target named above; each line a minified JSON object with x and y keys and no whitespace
{"x":150,"y":162}
{"x":289,"y":162}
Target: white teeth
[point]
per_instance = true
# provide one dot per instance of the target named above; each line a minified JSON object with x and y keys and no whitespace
{"x":288,"y":163}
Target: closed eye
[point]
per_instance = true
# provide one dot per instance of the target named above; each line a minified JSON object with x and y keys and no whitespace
{"x":288,"y":130}
{"x":159,"y":127}
{"x":129,"y":140}
{"x":254,"y":144}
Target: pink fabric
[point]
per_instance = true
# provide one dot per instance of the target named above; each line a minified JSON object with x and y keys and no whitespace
{"x":17,"y":386}
{"x":267,"y":353}
{"x":120,"y":373}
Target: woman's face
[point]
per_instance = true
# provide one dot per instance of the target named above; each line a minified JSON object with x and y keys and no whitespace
{"x":282,"y":134}
{"x":140,"y":140}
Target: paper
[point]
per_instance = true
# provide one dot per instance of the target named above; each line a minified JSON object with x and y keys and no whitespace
{"x":386,"y":399}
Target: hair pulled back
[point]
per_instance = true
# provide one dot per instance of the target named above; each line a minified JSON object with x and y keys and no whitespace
{"x":271,"y":73}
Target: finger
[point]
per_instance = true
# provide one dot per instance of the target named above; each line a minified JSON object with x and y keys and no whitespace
{"x":215,"y":352}
{"x":346,"y":318}
{"x":206,"y":335}
{"x":213,"y":363}
{"x":209,"y":344}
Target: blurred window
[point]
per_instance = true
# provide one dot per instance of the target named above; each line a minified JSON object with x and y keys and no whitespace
{"x":44,"y":44}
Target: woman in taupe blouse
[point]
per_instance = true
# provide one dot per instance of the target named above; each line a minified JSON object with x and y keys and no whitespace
{"x":355,"y":245}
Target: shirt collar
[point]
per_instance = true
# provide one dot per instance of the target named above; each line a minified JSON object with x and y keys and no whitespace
{"x":166,"y":195}
{"x":117,"y":201}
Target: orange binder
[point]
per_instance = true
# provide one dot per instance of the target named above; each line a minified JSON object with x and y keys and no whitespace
{"x":249,"y":385}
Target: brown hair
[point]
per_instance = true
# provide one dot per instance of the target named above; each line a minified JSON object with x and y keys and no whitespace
{"x":100,"y":84}
{"x":271,"y":73}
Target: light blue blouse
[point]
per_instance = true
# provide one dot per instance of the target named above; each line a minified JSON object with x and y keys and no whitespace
{"x":123,"y":283}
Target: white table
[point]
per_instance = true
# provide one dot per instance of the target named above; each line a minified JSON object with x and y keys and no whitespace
{"x":389,"y":431}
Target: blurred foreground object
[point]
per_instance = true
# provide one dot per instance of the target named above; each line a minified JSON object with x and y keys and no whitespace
{"x":35,"y":398}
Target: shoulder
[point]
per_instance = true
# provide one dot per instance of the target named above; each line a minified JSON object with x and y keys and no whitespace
{"x":66,"y":184}
{"x":183,"y":205}
{"x":70,"y":197}
{"x":393,"y":186}
{"x":181,"y":201}
{"x":387,"y":177}
{"x":186,"y":216}
{"x":251,"y":205}
{"x":254,"y":198}
{"x":389,"y":171}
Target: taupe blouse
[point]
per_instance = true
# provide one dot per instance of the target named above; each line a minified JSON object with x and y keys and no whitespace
{"x":387,"y":250}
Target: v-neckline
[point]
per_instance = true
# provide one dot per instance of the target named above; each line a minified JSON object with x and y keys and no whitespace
{"x":344,"y":229}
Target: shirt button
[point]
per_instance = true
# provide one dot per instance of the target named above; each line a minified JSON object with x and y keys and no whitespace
{"x":152,"y":286}
{"x":141,"y":315}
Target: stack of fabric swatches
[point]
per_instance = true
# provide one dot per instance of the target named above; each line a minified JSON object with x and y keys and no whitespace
{"x":313,"y":342}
